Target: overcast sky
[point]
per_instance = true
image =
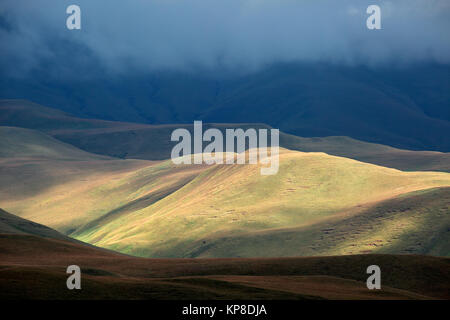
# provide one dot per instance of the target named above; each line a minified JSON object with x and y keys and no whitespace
{"x":122,"y":36}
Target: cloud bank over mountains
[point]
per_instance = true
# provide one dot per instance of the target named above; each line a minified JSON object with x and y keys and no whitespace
{"x":141,"y":36}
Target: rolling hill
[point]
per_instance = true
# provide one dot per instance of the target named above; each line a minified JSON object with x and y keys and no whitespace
{"x":230,"y":202}
{"x":159,"y":209}
{"x":24,"y":143}
{"x":152,"y":142}
{"x":414,"y":223}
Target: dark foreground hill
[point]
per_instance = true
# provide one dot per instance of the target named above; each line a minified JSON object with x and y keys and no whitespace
{"x":33,"y":267}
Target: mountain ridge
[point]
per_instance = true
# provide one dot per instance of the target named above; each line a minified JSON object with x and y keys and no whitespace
{"x":152,"y":142}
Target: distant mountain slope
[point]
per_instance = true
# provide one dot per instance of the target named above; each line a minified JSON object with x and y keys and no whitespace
{"x":150,"y":142}
{"x":26,"y":114}
{"x":405,"y":107}
{"x":370,"y":152}
{"x":383,"y":106}
{"x":20,"y":142}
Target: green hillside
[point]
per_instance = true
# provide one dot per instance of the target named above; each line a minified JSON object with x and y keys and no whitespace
{"x":159,"y":209}
{"x":415,"y":223}
{"x":232,"y":201}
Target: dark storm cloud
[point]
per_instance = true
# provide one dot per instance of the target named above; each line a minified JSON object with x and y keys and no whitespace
{"x":120,"y":36}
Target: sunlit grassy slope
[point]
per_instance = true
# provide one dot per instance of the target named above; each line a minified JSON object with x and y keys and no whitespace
{"x":415,"y":223}
{"x":166,"y":210}
{"x":231,"y":201}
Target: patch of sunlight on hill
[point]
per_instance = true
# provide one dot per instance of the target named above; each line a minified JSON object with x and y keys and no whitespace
{"x":233,"y":200}
{"x":160,"y":209}
{"x":413,"y":223}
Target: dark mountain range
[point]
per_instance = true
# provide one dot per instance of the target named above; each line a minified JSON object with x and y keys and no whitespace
{"x":403,"y":107}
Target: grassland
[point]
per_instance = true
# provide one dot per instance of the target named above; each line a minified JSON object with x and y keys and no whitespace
{"x":415,"y":223}
{"x":32,"y":267}
{"x":232,"y":201}
{"x":158,"y":209}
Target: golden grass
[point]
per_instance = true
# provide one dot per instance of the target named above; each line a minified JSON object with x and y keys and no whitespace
{"x":201,"y":202}
{"x":229,"y":201}
{"x":159,"y":209}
